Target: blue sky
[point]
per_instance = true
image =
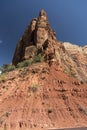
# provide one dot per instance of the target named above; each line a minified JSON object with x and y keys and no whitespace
{"x":67,"y":17}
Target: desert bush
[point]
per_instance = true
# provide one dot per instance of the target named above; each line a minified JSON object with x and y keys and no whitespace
{"x":72,"y":73}
{"x":65,"y":71}
{"x":37,"y":58}
{"x":34,"y":87}
{"x":82,"y":109}
{"x":24,"y":63}
{"x":7,"y":68}
{"x":2,"y":78}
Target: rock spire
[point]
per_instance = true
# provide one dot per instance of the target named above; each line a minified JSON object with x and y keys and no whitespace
{"x":37,"y":34}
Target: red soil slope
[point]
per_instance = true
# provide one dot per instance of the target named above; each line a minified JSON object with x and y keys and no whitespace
{"x":42,"y":96}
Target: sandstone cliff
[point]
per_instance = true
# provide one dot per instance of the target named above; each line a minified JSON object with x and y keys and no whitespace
{"x":40,"y":38}
{"x":77,"y":60}
{"x":34,"y":39}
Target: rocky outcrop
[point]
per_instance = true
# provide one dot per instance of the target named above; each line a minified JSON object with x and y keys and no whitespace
{"x":23,"y":49}
{"x":40,"y":38}
{"x":36,"y":35}
{"x":76,"y":60}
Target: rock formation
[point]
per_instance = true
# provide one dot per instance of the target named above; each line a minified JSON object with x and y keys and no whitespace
{"x":35,"y":37}
{"x":40,"y":38}
{"x":77,"y":60}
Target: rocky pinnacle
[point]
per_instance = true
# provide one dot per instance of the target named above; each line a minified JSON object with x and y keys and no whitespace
{"x":37,"y":34}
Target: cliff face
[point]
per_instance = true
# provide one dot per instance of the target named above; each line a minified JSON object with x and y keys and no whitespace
{"x":34,"y":38}
{"x":40,"y":38}
{"x":76,"y":60}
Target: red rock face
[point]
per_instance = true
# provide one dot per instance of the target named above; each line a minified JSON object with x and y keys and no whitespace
{"x":27,"y":40}
{"x":42,"y":96}
{"x":77,"y":60}
{"x":40,"y":38}
{"x":37,"y":33}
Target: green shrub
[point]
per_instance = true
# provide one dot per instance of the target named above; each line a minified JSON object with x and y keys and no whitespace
{"x":11,"y":67}
{"x":24,"y":64}
{"x":34,"y":87}
{"x":37,"y":58}
{"x":66,"y":71}
{"x":82,"y":109}
{"x":7,"y":68}
{"x":72,"y":73}
{"x":2,"y":78}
